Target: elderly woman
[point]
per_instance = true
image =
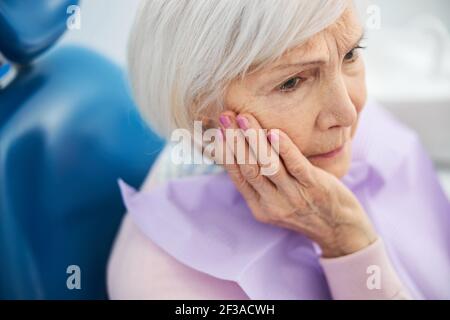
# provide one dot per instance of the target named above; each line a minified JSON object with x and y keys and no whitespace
{"x":353,"y":209}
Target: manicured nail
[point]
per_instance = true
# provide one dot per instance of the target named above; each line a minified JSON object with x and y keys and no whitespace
{"x":273,"y":137}
{"x":225,"y":121}
{"x":242,"y":122}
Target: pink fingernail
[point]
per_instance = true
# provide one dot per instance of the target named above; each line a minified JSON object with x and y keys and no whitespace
{"x":225,"y":121}
{"x":273,"y":137}
{"x":242,"y":122}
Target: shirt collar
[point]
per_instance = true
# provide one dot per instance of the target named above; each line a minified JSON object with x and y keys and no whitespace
{"x":376,"y":155}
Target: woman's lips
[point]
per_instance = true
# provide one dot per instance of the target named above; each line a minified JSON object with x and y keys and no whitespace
{"x":330,"y":154}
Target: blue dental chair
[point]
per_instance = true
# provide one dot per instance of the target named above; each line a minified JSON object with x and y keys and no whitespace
{"x":68,"y":130}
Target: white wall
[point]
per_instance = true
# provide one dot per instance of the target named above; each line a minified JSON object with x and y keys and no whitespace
{"x":105,"y":25}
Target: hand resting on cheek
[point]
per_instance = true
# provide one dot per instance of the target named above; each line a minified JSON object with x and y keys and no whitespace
{"x":297,"y":195}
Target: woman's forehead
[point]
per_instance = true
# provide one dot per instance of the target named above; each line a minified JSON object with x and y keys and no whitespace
{"x":347,"y":29}
{"x":346,"y":32}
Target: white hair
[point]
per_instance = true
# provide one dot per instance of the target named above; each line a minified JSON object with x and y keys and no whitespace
{"x":184,"y":53}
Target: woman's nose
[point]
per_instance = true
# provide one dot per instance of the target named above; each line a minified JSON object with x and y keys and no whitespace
{"x":338,"y":109}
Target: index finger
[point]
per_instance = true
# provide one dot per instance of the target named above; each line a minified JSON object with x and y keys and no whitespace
{"x":295,"y":162}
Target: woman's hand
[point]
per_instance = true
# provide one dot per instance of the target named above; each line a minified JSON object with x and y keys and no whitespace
{"x":296,"y":195}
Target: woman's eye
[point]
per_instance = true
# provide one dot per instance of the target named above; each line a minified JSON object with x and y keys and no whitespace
{"x":352,"y":55}
{"x":290,"y":85}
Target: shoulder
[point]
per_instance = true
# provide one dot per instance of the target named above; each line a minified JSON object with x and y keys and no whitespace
{"x":139,"y":269}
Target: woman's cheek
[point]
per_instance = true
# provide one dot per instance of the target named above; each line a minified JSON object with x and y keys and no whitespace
{"x":297,"y":118}
{"x":277,"y":111}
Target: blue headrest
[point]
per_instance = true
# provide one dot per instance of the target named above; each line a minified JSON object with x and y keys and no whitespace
{"x":29,"y":27}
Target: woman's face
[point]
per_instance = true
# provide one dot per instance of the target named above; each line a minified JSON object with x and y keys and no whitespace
{"x":314,"y":93}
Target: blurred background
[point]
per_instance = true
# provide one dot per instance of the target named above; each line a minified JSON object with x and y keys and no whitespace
{"x":408,"y":59}
{"x":69,"y":128}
